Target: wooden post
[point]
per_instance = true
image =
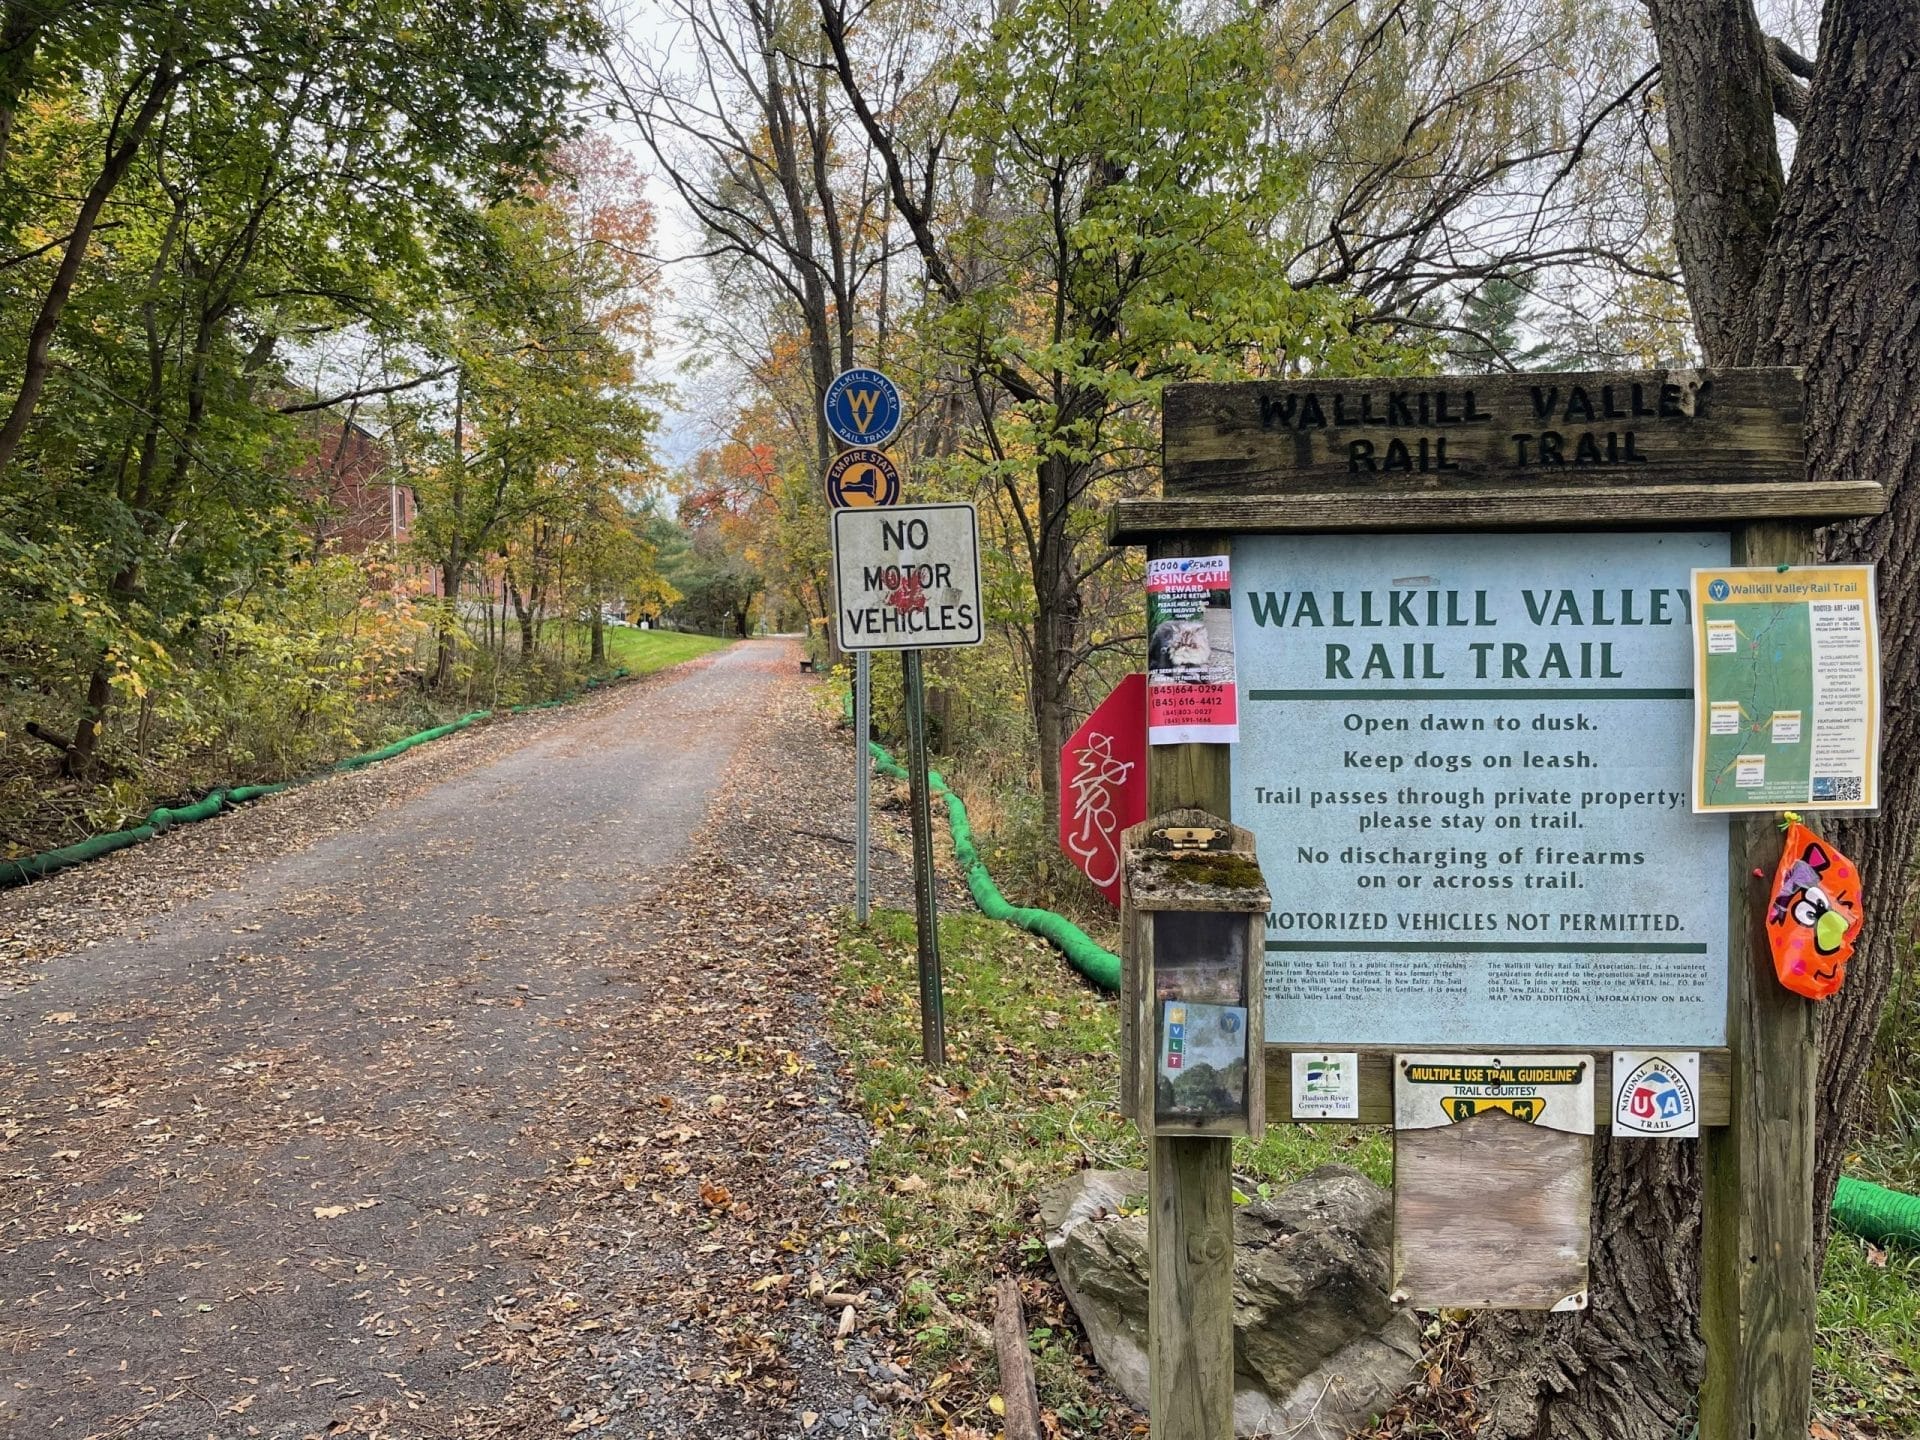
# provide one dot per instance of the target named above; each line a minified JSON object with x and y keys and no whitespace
{"x":1757,"y":1282}
{"x":1190,"y":1182}
{"x":1017,"y":1391}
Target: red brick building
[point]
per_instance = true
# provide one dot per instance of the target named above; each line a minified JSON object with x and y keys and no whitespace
{"x":359,"y":500}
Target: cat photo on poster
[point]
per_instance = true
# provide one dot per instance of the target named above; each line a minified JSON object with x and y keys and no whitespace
{"x":1190,"y":667}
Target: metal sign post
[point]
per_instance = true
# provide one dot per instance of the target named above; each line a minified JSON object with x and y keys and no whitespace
{"x":926,"y":908}
{"x":862,"y":784}
{"x":908,"y":579}
{"x":862,"y":410}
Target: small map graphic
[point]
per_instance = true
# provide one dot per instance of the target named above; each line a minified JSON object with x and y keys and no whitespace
{"x":1760,"y":700}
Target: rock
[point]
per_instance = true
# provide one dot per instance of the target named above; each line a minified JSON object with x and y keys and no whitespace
{"x":1318,"y":1351}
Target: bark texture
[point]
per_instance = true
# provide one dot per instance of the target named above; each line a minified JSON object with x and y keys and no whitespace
{"x":1840,"y":295}
{"x":1723,"y":159}
{"x":1822,"y":271}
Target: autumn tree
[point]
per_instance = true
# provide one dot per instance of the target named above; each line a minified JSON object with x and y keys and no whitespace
{"x":204,"y":173}
{"x":1127,"y":244}
{"x":546,"y":442}
{"x":744,"y":121}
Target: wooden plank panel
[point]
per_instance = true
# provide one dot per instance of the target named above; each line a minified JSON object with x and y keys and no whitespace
{"x":1675,"y":506}
{"x":1758,"y":1288}
{"x":1190,"y":1181}
{"x":1376,"y":1083}
{"x":1594,"y":429}
{"x":1491,"y":1213}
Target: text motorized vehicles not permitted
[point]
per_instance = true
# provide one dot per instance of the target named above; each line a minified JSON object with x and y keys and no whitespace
{"x":908,"y":578}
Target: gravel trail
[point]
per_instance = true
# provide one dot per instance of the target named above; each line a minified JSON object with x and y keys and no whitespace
{"x":485,"y":1096}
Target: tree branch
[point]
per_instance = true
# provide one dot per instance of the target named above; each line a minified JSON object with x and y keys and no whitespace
{"x":371,"y":390}
{"x":1789,"y":93}
{"x":1789,"y":57}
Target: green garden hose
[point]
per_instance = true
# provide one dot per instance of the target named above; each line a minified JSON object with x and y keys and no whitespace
{"x":1099,"y":965}
{"x":1874,"y":1212}
{"x":32,"y":867}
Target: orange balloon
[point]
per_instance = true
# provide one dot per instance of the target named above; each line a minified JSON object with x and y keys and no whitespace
{"x":1816,"y":915}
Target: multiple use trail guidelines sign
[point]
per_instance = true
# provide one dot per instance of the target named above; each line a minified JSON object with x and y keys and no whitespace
{"x":907,"y":577}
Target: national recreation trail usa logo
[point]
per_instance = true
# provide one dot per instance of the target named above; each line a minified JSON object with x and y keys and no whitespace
{"x":862,"y":407}
{"x":1657,"y":1098}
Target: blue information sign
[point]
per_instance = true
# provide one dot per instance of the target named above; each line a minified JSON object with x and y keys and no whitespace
{"x":862,"y":407}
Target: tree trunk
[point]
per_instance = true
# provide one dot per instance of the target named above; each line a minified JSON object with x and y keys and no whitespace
{"x":38,"y":361}
{"x":92,"y":725}
{"x":1056,"y":626}
{"x":454,"y":570}
{"x":1628,"y":1368}
{"x":1840,"y":294}
{"x":93,"y":722}
{"x":443,"y":657}
{"x":1724,"y":160}
{"x":522,"y":612}
{"x":598,"y":655}
{"x":1824,"y":274}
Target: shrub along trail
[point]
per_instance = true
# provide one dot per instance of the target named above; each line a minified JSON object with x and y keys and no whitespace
{"x":495,"y":1106}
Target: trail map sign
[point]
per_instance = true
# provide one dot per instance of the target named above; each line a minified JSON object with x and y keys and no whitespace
{"x":907,"y":577}
{"x":1787,"y":674}
{"x":1464,"y":759}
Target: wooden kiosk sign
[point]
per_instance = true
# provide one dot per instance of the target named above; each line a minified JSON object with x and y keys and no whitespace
{"x":1463,"y":634}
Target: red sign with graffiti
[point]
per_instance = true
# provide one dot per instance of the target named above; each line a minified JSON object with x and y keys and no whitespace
{"x":1103,"y":783}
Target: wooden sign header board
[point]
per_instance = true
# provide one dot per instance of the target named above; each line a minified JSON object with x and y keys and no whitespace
{"x":1597,"y":429}
{"x":1589,"y":450}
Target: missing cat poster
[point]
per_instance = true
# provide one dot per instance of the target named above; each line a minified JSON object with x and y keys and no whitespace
{"x":1190,"y":672}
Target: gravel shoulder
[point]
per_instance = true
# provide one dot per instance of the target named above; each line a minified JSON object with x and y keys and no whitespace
{"x":482,"y":1094}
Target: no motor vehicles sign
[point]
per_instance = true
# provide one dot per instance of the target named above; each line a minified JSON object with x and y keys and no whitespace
{"x":908,"y":578}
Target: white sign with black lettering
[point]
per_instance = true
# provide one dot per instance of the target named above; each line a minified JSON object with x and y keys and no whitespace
{"x":908,"y":577}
